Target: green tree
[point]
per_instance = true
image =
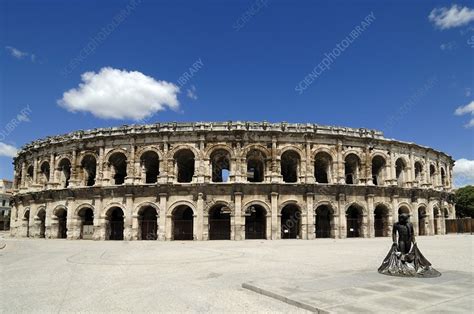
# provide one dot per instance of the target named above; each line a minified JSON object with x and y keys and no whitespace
{"x":465,"y":201}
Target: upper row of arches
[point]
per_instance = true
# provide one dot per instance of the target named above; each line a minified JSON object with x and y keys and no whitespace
{"x":222,"y":163}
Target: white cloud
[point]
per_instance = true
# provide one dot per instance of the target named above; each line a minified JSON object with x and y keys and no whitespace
{"x":120,"y":94}
{"x":455,"y":16}
{"x":18,"y":54}
{"x":191,"y":92}
{"x":469,"y":108}
{"x":448,"y":46}
{"x":7,"y":150}
{"x":463,"y":172}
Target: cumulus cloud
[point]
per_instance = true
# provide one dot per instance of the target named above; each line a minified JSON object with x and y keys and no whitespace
{"x":7,"y":150}
{"x":120,"y":94}
{"x":467,"y":109}
{"x":455,"y":16}
{"x":463,"y":172}
{"x":18,"y":54}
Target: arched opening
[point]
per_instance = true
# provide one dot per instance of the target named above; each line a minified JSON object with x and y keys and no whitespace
{"x":354,"y":221}
{"x":44,"y":172}
{"x":324,"y":218}
{"x":147,"y":222}
{"x":378,"y":166}
{"x":184,"y":160}
{"x":421,"y":221}
{"x":26,"y":218}
{"x":150,"y":163}
{"x":418,"y":172}
{"x":118,"y":167}
{"x":29,"y":174}
{"x":86,"y":215}
{"x":61,"y":215}
{"x":219,"y":222}
{"x":403,"y":210}
{"x":322,"y":167}
{"x":220,"y":165}
{"x":18,"y":178}
{"x":436,"y":216}
{"x":381,"y":225}
{"x":443,"y":177}
{"x":42,"y":223}
{"x":88,"y":165}
{"x":115,"y":224}
{"x":290,"y":222}
{"x":183,"y":219}
{"x":433,"y":175}
{"x":255,"y":222}
{"x":400,"y":171}
{"x":255,"y":166}
{"x":290,"y":161}
{"x":64,"y":167}
{"x":351,"y":169}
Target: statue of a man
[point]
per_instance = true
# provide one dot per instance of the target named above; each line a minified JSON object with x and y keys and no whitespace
{"x":406,"y":234}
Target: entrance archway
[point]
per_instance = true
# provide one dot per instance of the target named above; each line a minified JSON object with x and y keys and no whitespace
{"x":183,"y":220}
{"x":115,"y":224}
{"x":26,"y":217}
{"x":381,"y":221}
{"x":42,"y":225}
{"x":86,"y":215}
{"x":290,"y":222}
{"x":61,"y":214}
{"x":421,"y":221}
{"x":255,"y":222}
{"x":219,"y":223}
{"x":323,"y":221}
{"x":354,"y":221}
{"x":147,"y":218}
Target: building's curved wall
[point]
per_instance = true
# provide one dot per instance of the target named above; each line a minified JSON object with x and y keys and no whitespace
{"x":348,"y":176}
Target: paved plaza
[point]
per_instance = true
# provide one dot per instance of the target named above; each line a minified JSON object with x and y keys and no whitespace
{"x":295,"y":276}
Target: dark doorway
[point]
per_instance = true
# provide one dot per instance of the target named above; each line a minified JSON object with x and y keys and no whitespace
{"x":148,"y":223}
{"x":290,"y":222}
{"x":118,"y":167}
{"x":42,"y":218}
{"x":26,"y":217}
{"x":322,"y":167}
{"x":323,"y":221}
{"x":255,"y":166}
{"x":354,"y":221}
{"x":62,"y":223}
{"x":255,"y":222}
{"x":116,"y":224}
{"x":183,"y":217}
{"x":219,"y":223}
{"x":89,"y":165}
{"x":87,"y":223}
{"x":289,"y":166}
{"x":150,"y":162}
{"x":421,"y":221}
{"x":381,"y":221}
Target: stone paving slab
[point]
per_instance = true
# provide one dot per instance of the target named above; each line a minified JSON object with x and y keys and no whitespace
{"x":370,"y":292}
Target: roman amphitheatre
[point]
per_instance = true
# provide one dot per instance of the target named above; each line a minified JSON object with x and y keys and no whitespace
{"x":227,"y":181}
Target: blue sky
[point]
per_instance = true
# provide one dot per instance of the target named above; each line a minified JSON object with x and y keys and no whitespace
{"x":405,"y":74}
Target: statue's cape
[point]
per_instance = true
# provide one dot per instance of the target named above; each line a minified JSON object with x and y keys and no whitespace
{"x":415,"y":265}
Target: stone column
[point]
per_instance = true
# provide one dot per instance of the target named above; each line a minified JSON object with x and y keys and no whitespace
{"x":368,"y":166}
{"x":275,"y":227}
{"x":341,"y":178}
{"x":414,"y":217}
{"x":130,"y":178}
{"x":128,"y":231}
{"x":99,"y":221}
{"x":100,"y":175}
{"x":370,"y":216}
{"x":163,"y":226}
{"x":342,"y":216}
{"x":199,"y":217}
{"x":310,"y":217}
{"x":70,"y":222}
{"x":239,"y":227}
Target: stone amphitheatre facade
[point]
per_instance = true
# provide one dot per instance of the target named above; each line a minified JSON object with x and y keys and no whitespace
{"x":227,"y":180}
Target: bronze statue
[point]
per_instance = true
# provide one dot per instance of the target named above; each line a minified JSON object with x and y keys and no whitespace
{"x":404,"y":258}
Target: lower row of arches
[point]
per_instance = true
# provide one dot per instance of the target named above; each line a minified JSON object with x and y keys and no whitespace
{"x":220,"y":222}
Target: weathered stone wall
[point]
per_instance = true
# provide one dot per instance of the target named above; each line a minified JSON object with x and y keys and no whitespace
{"x":84,"y":168}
